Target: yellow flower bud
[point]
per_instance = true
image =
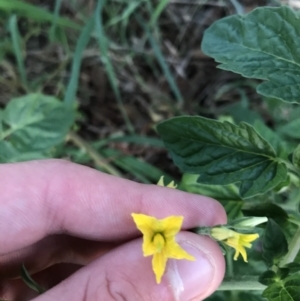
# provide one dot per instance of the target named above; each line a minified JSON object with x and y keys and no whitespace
{"x":236,"y":240}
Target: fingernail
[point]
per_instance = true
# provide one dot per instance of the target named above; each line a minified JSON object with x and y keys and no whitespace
{"x":191,"y":279}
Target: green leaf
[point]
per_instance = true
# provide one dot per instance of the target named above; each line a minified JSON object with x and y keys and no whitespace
{"x":241,"y":113}
{"x":283,"y":272}
{"x":269,"y":210}
{"x":223,"y":153}
{"x":294,"y":267}
{"x":7,"y":151}
{"x":263,"y":44}
{"x":296,"y":157}
{"x":9,"y":154}
{"x":268,"y":277}
{"x":32,"y":126}
{"x":227,"y":195}
{"x":274,"y":243}
{"x":290,"y":129}
{"x":285,"y":290}
{"x":283,"y":185}
{"x":281,"y":148}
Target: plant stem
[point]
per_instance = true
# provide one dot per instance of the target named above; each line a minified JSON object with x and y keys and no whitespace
{"x":98,"y":159}
{"x":294,"y":221}
{"x":291,"y":167}
{"x":241,"y":283}
{"x":229,"y":263}
{"x":294,"y":247}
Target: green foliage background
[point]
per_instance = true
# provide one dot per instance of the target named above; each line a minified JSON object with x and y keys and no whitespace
{"x":246,"y":154}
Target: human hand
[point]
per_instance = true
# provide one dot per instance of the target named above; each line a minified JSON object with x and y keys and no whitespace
{"x":69,"y":222}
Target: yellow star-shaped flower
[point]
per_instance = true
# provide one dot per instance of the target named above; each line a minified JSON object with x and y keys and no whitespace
{"x":236,"y":240}
{"x":159,"y":240}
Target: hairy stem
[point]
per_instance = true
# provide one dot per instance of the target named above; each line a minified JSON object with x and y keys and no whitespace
{"x":241,"y":283}
{"x":98,"y":159}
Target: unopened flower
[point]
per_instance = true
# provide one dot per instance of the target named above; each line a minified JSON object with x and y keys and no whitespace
{"x":159,"y":240}
{"x":236,"y":240}
{"x":251,"y":221}
{"x":170,"y":185}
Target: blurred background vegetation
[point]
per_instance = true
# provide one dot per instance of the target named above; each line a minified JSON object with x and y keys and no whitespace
{"x":88,"y":80}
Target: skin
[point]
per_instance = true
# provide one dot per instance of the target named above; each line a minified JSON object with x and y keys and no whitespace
{"x":69,"y":222}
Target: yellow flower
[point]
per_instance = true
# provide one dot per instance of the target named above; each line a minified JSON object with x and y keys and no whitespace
{"x":159,"y":240}
{"x":170,"y":185}
{"x":236,"y":240}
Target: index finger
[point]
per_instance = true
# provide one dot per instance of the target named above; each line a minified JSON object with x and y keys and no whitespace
{"x":41,"y":198}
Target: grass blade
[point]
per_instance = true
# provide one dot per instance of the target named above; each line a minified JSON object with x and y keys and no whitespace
{"x":93,"y":154}
{"x":126,"y":13}
{"x":157,"y":12}
{"x":29,"y":281}
{"x":160,"y":58}
{"x":133,"y":139}
{"x":30,"y":11}
{"x":143,"y":171}
{"x":15,"y":36}
{"x":103,"y":45}
{"x":82,"y":42}
{"x":55,"y":19}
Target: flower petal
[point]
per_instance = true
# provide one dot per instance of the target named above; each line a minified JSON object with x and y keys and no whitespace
{"x":146,"y":224}
{"x":249,"y":237}
{"x":159,"y":240}
{"x":159,"y":262}
{"x":239,"y":248}
{"x":243,"y":253}
{"x":174,"y":250}
{"x":148,"y":246}
{"x":171,"y":225}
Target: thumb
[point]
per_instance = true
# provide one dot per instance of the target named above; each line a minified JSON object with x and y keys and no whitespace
{"x":124,"y":274}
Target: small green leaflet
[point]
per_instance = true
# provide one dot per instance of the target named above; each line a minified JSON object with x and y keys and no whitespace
{"x":285,"y":290}
{"x":263,"y":44}
{"x":223,"y":153}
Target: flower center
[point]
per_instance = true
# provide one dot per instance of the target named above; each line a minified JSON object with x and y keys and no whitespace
{"x":158,"y":242}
